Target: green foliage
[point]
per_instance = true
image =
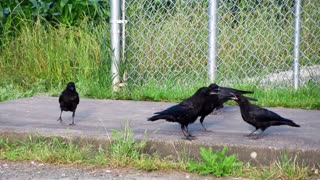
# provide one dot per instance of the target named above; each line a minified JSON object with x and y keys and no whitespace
{"x":69,"y":12}
{"x":124,"y":149}
{"x":218,"y":163}
{"x":39,"y":56}
{"x":283,"y":168}
{"x":43,"y":58}
{"x":15,"y":15}
{"x":304,"y":97}
{"x":53,"y":150}
{"x":62,"y":151}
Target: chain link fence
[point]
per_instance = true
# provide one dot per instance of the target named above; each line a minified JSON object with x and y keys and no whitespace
{"x":166,"y":41}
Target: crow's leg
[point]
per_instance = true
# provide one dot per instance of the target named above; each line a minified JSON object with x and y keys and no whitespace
{"x":260,"y":135}
{"x":204,"y":128}
{"x":73,"y":113}
{"x":201,"y":121}
{"x":60,"y":119}
{"x":185,"y":133}
{"x":252,"y":132}
{"x":189,"y":134}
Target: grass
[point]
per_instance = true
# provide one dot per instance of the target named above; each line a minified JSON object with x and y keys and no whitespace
{"x":42,"y":58}
{"x":283,"y":168}
{"x":125,"y":151}
{"x":122,"y":151}
{"x":305,"y":98}
{"x":52,"y":150}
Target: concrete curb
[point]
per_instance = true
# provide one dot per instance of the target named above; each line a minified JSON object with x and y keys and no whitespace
{"x":182,"y":149}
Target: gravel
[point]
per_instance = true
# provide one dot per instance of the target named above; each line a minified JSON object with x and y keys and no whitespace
{"x":37,"y":170}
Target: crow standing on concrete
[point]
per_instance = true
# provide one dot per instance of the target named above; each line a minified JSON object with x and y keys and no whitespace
{"x":259,"y":117}
{"x":211,"y":103}
{"x":69,"y":100}
{"x":187,"y":111}
{"x":216,"y":102}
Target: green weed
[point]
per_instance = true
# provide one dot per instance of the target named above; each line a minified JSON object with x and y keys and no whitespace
{"x":218,"y":163}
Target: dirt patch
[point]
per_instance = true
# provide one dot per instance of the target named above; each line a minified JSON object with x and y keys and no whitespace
{"x":37,"y":170}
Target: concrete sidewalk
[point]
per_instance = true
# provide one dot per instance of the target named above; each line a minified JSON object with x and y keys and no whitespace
{"x":97,"y":118}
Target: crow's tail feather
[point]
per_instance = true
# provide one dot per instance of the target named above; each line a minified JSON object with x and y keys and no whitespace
{"x":245,"y":92}
{"x":160,"y":116}
{"x":288,"y":122}
{"x":291,"y":123}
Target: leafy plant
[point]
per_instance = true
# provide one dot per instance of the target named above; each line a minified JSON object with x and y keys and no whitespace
{"x":217,"y":163}
{"x":124,"y":149}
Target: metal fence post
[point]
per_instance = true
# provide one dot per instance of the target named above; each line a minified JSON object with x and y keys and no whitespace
{"x":213,"y":39}
{"x":115,"y":41}
{"x":123,"y":41}
{"x":296,"y":49}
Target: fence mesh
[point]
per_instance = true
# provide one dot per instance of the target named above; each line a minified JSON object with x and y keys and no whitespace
{"x":167,"y":42}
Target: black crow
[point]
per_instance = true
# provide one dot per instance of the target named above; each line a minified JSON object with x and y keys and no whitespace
{"x":69,"y":100}
{"x":211,"y":103}
{"x":259,"y":117}
{"x":187,"y":111}
{"x":216,"y":102}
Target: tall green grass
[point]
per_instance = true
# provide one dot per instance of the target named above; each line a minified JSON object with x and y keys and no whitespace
{"x":45,"y":58}
{"x":165,"y":56}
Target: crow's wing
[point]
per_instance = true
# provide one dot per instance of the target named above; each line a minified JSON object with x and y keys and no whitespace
{"x":77,"y":99}
{"x":60,"y":98}
{"x":176,"y":110}
{"x":263,"y":115}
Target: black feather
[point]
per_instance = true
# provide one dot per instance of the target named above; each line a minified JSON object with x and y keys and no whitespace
{"x":69,"y":100}
{"x":187,"y":111}
{"x":259,"y":117}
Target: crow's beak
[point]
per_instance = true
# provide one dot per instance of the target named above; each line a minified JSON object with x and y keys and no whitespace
{"x":234,"y":97}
